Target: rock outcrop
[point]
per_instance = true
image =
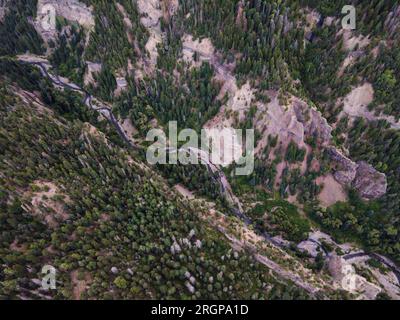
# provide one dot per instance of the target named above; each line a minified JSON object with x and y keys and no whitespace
{"x":314,"y":123}
{"x":299,"y":120}
{"x":335,"y":267}
{"x":72,"y":10}
{"x":370,"y":183}
{"x":346,"y":169}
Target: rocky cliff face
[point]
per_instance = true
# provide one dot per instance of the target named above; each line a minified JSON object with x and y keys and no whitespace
{"x":314,"y":123}
{"x":346,"y":169}
{"x":369,"y":183}
{"x":298,"y":120}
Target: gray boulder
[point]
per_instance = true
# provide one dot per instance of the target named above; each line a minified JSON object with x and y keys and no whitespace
{"x":346,"y":169}
{"x":370,"y":183}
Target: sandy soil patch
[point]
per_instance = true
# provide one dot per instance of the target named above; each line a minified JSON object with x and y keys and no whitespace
{"x":242,"y":99}
{"x":292,"y":199}
{"x":329,"y":21}
{"x":332,"y":191}
{"x":30,"y":98}
{"x":357,"y":101}
{"x":152,"y":47}
{"x":310,"y":247}
{"x":241,"y":20}
{"x":204,"y":48}
{"x":184,"y":191}
{"x":226,"y":145}
{"x":126,"y":20}
{"x":315,"y":165}
{"x":122,"y":84}
{"x":143,"y":65}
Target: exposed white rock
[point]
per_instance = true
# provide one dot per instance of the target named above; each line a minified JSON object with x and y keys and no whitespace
{"x":198,"y":244}
{"x":114,"y":270}
{"x":192,"y":234}
{"x":175,"y":248}
{"x":72,"y":10}
{"x":329,"y":21}
{"x":190,"y":287}
{"x":310,"y":247}
{"x":349,"y":61}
